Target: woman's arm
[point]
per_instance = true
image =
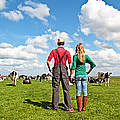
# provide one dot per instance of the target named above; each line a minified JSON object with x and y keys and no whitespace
{"x":92,"y":64}
{"x":89,"y":70}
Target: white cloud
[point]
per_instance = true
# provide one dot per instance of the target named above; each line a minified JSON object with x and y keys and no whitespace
{"x":101,"y":19}
{"x":5,"y":45}
{"x":31,"y":49}
{"x":32,"y":68}
{"x":16,"y":53}
{"x":37,"y":10}
{"x":11,"y":62}
{"x":40,"y":41}
{"x":102,"y":45}
{"x":106,"y":60}
{"x":57,"y":34}
{"x":2,"y":4}
{"x":24,"y":59}
{"x":13,"y":15}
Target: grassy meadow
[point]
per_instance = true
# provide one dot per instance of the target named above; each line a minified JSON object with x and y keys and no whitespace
{"x":33,"y":102}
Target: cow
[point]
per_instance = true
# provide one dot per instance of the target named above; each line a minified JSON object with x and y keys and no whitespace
{"x":92,"y":80}
{"x":14,"y":76}
{"x":100,"y":77}
{"x":39,"y":78}
{"x":27,"y":81}
{"x":48,"y":77}
{"x":107,"y":78}
{"x":22,"y":76}
{"x":2,"y":78}
{"x":103,"y":77}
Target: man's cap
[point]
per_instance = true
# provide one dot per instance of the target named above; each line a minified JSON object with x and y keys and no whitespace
{"x":60,"y":40}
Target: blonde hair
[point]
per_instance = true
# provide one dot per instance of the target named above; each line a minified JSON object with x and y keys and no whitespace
{"x":80,"y":52}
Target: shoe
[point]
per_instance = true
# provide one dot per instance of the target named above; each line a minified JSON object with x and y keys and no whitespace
{"x":79,"y":103}
{"x":84,"y":103}
{"x":70,"y":110}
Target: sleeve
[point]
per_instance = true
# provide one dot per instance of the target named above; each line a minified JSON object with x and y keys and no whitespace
{"x":50,"y":56}
{"x":74,"y":62}
{"x":69,"y":57}
{"x":92,"y":64}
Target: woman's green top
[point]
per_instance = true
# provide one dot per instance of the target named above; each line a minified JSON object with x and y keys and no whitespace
{"x":79,"y":67}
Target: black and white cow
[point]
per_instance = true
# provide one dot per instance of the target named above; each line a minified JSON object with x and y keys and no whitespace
{"x":103,"y":77}
{"x":107,"y":78}
{"x":27,"y":81}
{"x":14,"y":76}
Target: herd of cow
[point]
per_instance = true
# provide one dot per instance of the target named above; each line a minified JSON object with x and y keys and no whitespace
{"x":101,"y":78}
{"x":14,"y":76}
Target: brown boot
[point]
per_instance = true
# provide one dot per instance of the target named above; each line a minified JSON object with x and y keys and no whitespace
{"x":79,"y":103}
{"x":84,"y":103}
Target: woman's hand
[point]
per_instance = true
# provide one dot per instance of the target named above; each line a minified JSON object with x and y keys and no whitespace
{"x":71,"y":79}
{"x":89,"y":70}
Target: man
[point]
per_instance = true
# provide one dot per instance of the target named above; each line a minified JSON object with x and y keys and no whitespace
{"x":60,"y":73}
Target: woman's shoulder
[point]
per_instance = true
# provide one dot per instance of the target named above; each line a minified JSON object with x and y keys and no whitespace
{"x":86,"y":55}
{"x":75,"y":55}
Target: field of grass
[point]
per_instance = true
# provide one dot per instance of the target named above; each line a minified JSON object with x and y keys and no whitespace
{"x":33,"y":102}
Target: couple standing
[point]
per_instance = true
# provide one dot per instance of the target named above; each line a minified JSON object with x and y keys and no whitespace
{"x":60,"y":73}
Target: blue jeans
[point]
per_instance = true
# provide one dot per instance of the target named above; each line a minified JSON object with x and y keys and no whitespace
{"x":81,"y":79}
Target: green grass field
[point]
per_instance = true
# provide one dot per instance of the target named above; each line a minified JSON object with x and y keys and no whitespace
{"x":33,"y":102}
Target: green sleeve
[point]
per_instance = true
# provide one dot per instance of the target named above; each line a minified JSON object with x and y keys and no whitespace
{"x":92,"y":64}
{"x":74,"y":62}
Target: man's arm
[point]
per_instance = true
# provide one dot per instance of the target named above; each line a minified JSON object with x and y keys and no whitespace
{"x":70,"y":66}
{"x":48,"y":64}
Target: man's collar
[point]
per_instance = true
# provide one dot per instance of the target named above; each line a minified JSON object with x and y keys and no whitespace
{"x":60,"y":47}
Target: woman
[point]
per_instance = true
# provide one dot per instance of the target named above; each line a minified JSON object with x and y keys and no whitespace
{"x":78,"y":65}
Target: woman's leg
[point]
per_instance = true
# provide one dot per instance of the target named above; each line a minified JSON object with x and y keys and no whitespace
{"x":84,"y":89}
{"x":78,"y":94}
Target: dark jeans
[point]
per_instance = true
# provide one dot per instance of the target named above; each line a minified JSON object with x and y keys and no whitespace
{"x":60,"y":75}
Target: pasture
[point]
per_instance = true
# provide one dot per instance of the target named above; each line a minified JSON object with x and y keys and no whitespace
{"x":33,"y":102}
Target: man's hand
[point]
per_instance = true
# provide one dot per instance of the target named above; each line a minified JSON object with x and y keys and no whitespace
{"x":48,"y":64}
{"x":50,"y":70}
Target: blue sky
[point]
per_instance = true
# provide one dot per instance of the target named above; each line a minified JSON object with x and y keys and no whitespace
{"x":29,"y":30}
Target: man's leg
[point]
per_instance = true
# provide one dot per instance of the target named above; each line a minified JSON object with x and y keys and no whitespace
{"x":65,"y":86}
{"x":55,"y":95}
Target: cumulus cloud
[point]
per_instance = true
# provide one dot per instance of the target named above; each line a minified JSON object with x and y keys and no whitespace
{"x":102,"y":45}
{"x":31,"y":49}
{"x":40,"y":41}
{"x":16,"y":53}
{"x":2,"y":4}
{"x":13,"y":15}
{"x":37,"y":10}
{"x":101,"y":19}
{"x":11,"y":62}
{"x":32,"y":68}
{"x":57,"y":34}
{"x":24,"y":59}
{"x":106,"y":60}
{"x":5,"y":45}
